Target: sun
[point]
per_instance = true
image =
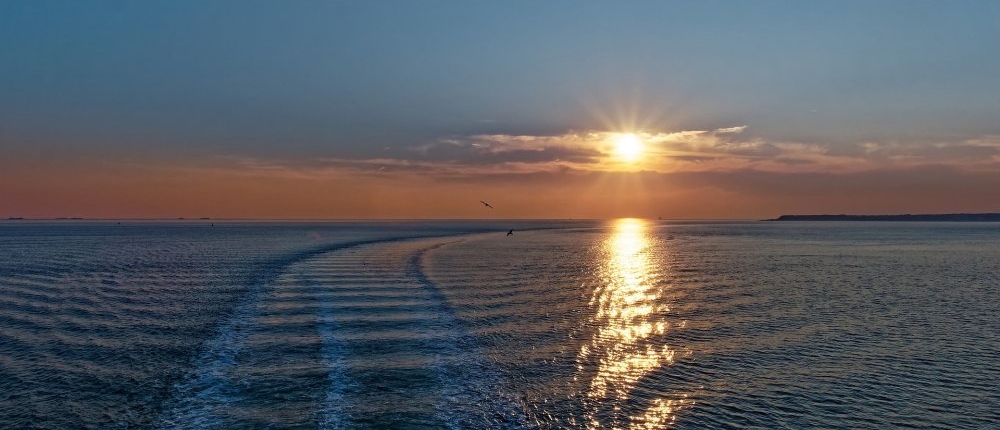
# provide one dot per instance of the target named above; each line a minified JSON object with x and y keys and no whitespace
{"x":628,"y":147}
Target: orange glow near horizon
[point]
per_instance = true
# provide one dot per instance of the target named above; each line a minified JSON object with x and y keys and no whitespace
{"x":129,"y":188}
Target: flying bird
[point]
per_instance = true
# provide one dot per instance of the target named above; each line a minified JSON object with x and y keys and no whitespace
{"x":510,"y":233}
{"x":486,"y":204}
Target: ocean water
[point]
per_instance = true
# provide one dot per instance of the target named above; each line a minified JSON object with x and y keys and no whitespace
{"x":577,"y":324}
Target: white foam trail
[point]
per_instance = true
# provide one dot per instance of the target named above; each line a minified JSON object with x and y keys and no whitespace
{"x":475,"y":382}
{"x":205,"y":393}
{"x":465,"y":384}
{"x":203,"y":397}
{"x":210,"y":394}
{"x":333,"y":415}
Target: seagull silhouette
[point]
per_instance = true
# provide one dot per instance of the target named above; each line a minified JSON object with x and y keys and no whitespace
{"x":510,"y":233}
{"x":486,"y":204}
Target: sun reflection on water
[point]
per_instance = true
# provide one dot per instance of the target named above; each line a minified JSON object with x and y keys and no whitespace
{"x":626,"y":347}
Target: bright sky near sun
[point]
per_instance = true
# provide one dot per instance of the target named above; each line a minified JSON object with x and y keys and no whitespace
{"x":628,"y":147}
{"x":565,"y":109}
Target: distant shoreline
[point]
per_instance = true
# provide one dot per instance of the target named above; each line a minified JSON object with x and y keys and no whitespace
{"x":901,"y":217}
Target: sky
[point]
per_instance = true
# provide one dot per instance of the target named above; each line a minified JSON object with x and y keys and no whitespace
{"x":402,"y":109}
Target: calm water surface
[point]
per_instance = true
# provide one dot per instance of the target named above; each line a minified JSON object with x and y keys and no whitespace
{"x":603,"y":325}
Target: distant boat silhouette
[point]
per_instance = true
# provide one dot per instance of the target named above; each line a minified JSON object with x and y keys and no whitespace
{"x":510,"y":233}
{"x":486,"y":204}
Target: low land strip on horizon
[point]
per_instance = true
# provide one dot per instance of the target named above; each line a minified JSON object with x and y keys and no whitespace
{"x":898,"y":217}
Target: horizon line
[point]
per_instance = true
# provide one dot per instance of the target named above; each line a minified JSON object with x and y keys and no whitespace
{"x":365,"y":219}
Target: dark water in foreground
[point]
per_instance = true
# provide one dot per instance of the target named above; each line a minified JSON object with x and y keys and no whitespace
{"x":626,"y":324}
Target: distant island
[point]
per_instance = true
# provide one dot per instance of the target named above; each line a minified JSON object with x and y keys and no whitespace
{"x":901,"y":217}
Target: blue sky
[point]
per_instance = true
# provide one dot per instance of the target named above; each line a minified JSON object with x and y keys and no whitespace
{"x":348,"y":77}
{"x":291,"y":82}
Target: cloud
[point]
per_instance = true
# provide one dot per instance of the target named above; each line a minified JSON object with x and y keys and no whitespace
{"x":974,"y":150}
{"x":716,"y":150}
{"x":727,"y":149}
{"x":738,"y":129}
{"x":496,"y":150}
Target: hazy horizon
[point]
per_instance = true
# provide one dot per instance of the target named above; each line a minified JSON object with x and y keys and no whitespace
{"x":515,"y":219}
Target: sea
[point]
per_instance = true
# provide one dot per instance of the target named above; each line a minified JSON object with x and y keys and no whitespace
{"x":494,"y":324}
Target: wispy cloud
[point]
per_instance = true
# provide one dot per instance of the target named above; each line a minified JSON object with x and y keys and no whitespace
{"x":495,"y":150}
{"x":738,"y":129}
{"x":717,"y":150}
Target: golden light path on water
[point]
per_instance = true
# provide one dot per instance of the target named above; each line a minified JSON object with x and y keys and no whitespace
{"x":629,"y":312}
